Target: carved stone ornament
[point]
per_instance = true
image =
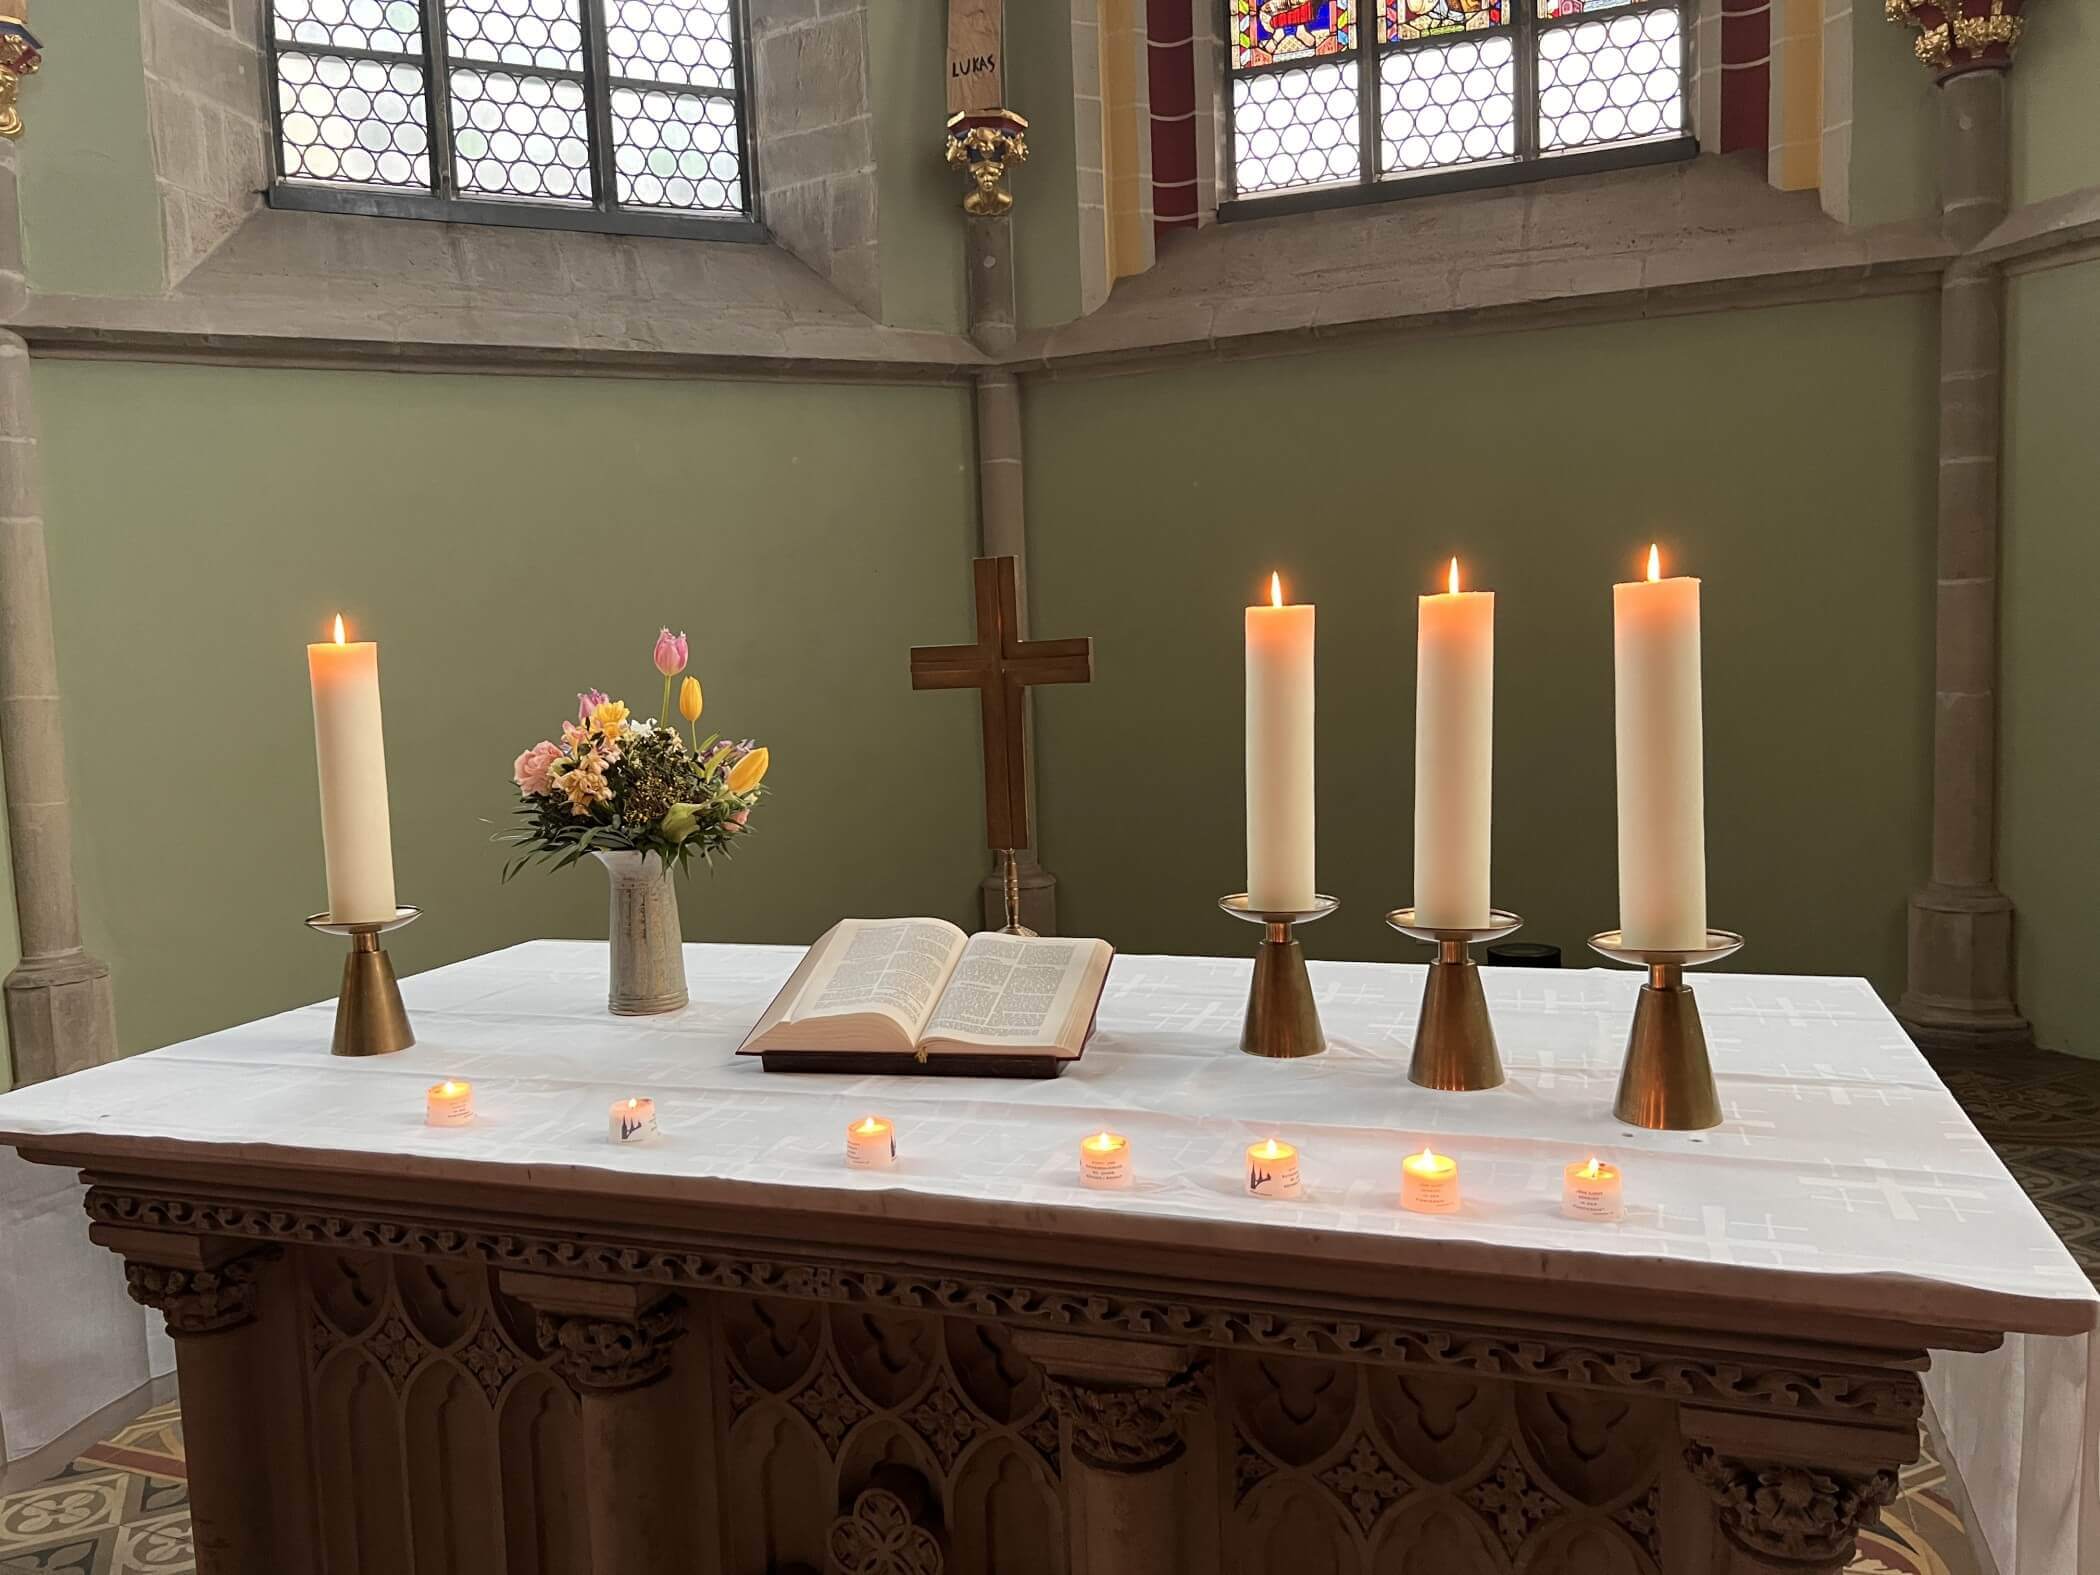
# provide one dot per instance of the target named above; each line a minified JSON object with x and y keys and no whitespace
{"x":1794,"y":1390}
{"x":880,"y":1537}
{"x":1789,"y":1512}
{"x":1962,"y":35}
{"x":982,"y":145}
{"x":20,"y":56}
{"x":610,"y":1354}
{"x":1125,"y":1427}
{"x":196,"y":1301}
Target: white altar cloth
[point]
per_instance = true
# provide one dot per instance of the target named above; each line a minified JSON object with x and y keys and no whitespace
{"x":1843,"y":1161}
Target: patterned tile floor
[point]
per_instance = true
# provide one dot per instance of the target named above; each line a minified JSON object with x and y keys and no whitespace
{"x":122,"y":1508}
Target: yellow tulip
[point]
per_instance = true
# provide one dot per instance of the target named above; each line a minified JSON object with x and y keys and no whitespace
{"x":689,"y":699}
{"x":747,"y":773}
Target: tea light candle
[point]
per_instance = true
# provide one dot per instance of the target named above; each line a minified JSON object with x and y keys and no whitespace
{"x":632,"y":1121}
{"x":1272,"y":1170}
{"x":1592,"y":1191}
{"x":1104,"y":1161}
{"x":871,"y":1144}
{"x":1429,"y":1183}
{"x":448,"y":1104}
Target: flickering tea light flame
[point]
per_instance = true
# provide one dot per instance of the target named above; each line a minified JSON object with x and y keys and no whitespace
{"x":1272,"y":1170}
{"x":1592,"y":1190}
{"x":339,"y":640}
{"x":1429,"y":1183}
{"x":871,"y":1144}
{"x":1454,"y":576}
{"x":1271,"y":1150}
{"x":870,"y":1126}
{"x":1654,"y":562}
{"x":632,"y":1120}
{"x":449,"y":1104}
{"x":1275,"y":589}
{"x":1104,"y":1160}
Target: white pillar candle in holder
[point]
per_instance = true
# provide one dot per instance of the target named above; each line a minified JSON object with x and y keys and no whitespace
{"x":632,"y":1120}
{"x":1429,"y":1183}
{"x":448,"y":1104}
{"x":871,"y":1144}
{"x":1592,"y":1190}
{"x":1104,"y":1161}
{"x":1272,"y":1170}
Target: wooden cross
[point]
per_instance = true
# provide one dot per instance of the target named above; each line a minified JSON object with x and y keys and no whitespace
{"x":1000,"y":667}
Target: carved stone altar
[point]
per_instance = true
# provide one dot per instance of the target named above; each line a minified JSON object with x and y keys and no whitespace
{"x":442,"y":1378}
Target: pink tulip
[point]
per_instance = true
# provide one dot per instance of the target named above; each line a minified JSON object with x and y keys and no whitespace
{"x":589,"y":701}
{"x":670,"y":653}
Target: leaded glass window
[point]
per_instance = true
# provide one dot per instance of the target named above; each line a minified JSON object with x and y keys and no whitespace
{"x":593,"y":114}
{"x":1341,"y":99}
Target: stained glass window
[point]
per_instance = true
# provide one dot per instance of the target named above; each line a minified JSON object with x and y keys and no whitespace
{"x":602,"y":114}
{"x":1458,"y":88}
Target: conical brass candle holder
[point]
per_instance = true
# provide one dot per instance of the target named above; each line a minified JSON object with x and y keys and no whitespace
{"x":1454,"y":1036}
{"x":1667,"y":1083}
{"x":1283,"y":1020}
{"x":369,"y":1016}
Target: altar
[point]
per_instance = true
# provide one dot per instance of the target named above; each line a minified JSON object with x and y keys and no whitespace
{"x":515,"y":1345}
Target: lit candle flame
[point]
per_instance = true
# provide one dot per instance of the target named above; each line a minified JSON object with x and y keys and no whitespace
{"x":1454,"y":576}
{"x":449,"y":1088}
{"x":634,"y":1104}
{"x":339,"y":629}
{"x":1592,"y":1170}
{"x":869,"y":1125}
{"x":1275,"y":589}
{"x":1270,"y":1150}
{"x":1103,"y":1140}
{"x":1427,"y":1157}
{"x":1655,"y":563}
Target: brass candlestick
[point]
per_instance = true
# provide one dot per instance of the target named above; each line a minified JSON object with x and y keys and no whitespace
{"x":1668,"y":1082}
{"x":1283,"y":1020}
{"x":1454,"y":1036}
{"x":369,"y":1016}
{"x":1010,"y":867}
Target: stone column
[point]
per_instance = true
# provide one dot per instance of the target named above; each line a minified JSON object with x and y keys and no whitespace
{"x":1777,"y":1495}
{"x":1128,"y":1493}
{"x":1959,"y":991}
{"x":237,"y":1362}
{"x":612,"y":1343}
{"x":60,"y":1013}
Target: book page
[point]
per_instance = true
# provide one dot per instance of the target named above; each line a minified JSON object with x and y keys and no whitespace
{"x":1010,"y":990}
{"x":892,"y":966}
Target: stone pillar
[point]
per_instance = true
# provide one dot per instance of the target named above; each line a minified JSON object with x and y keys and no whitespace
{"x":1776,"y":1495}
{"x":1959,"y":991}
{"x":1122,"y":1405}
{"x":612,"y":1343}
{"x":236,"y":1339}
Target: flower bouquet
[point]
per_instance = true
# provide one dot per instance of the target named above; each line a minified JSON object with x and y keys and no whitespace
{"x":643,"y":799}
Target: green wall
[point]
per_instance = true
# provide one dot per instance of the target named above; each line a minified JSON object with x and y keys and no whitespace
{"x":1785,"y":456}
{"x":2049,"y":850}
{"x":90,"y":216}
{"x":508,"y":541}
{"x":2055,"y":143}
{"x":919,"y":196}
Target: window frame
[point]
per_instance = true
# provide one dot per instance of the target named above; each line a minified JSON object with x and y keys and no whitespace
{"x":445,"y":203}
{"x":1526,"y":165}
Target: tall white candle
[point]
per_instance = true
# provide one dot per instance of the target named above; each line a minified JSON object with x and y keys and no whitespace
{"x":1454,"y":756}
{"x":1279,"y":755}
{"x":1662,"y":778}
{"x":356,"y":837}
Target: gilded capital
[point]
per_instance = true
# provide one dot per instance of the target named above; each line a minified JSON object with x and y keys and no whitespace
{"x":982,"y":145}
{"x":1962,"y":35}
{"x":20,"y":55}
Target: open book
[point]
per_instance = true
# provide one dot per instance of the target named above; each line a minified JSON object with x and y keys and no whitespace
{"x":918,"y":995}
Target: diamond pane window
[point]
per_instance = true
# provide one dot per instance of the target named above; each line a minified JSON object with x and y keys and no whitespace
{"x":1444,"y":92}
{"x":596,"y":114}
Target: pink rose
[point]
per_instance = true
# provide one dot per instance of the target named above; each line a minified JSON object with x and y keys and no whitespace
{"x":670,"y":653}
{"x":535,"y":767}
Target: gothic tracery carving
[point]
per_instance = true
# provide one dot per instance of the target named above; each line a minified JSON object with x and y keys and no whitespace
{"x":1783,"y":1511}
{"x":1510,"y":1501}
{"x":879,"y":1536}
{"x":1848,"y":1395}
{"x":1364,"y":1482}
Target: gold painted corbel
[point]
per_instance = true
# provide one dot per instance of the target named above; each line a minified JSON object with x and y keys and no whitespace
{"x":20,"y":55}
{"x":1962,"y":35}
{"x":982,"y":143}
